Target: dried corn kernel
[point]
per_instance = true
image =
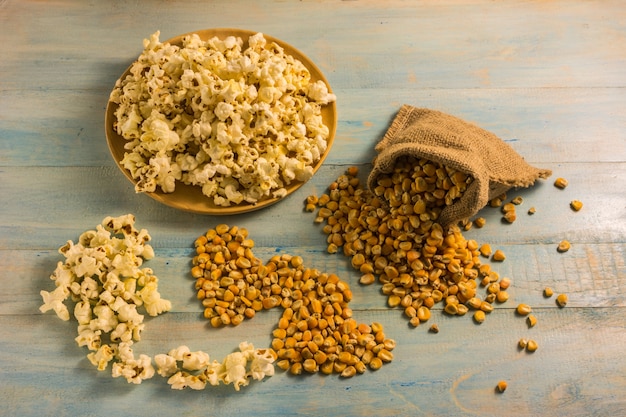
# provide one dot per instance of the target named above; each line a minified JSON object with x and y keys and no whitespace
{"x":485,"y":250}
{"x":480,"y":222}
{"x":479,"y":316}
{"x":501,"y":387}
{"x":508,"y":207}
{"x":498,"y":256}
{"x":510,"y":216}
{"x":576,"y":205}
{"x":561,"y":300}
{"x":522,"y":343}
{"x":531,"y":320}
{"x":560,"y":183}
{"x":523,"y":309}
{"x":532,"y":210}
{"x":531,"y":346}
{"x":505,"y":283}
{"x":434,"y":328}
{"x":502,"y":296}
{"x":548,"y":292}
{"x":564,"y":246}
{"x":517,"y":200}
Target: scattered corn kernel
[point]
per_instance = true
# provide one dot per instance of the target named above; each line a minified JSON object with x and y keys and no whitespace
{"x":564,"y":246}
{"x":501,"y":387}
{"x":479,"y":316}
{"x":485,"y":250}
{"x":510,"y":216}
{"x":532,"y":210}
{"x":498,"y":256}
{"x":508,"y":207}
{"x":531,"y":346}
{"x":352,"y":171}
{"x":434,"y":328}
{"x":561,"y":300}
{"x":560,"y":183}
{"x":502,"y":296}
{"x":517,"y":200}
{"x":522,"y":343}
{"x":548,"y":292}
{"x":576,"y":205}
{"x":523,"y":309}
{"x":531,"y":320}
{"x":480,"y":222}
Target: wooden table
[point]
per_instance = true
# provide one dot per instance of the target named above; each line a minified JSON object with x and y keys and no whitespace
{"x":547,"y":77}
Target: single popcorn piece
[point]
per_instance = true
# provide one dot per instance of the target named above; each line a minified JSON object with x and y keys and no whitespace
{"x":194,"y":361}
{"x":134,"y":370}
{"x":240,"y":123}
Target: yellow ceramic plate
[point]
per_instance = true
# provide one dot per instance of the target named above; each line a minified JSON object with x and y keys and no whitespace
{"x":190,"y":198}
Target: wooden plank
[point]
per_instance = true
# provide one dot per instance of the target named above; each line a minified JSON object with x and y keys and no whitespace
{"x":507,"y":46}
{"x":543,"y":125}
{"x":591,"y":275}
{"x":453,"y":372}
{"x":95,"y":193}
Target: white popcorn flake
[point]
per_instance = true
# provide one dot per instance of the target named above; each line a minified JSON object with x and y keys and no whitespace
{"x":205,"y":113}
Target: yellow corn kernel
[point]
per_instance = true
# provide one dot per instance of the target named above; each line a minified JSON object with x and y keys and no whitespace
{"x":523,"y":309}
{"x":434,"y":328}
{"x":560,"y":183}
{"x":532,"y":210}
{"x":510,"y":216}
{"x":474,"y":303}
{"x":479,"y":316}
{"x":423,"y":313}
{"x":531,"y":346}
{"x":485,"y":250}
{"x":548,"y":292}
{"x":505,"y":283}
{"x":517,"y":200}
{"x":480,"y":222}
{"x":508,"y":207}
{"x":352,"y":171}
{"x":451,"y":309}
{"x":561,"y":300}
{"x":576,"y":205}
{"x":501,"y":387}
{"x":564,"y":246}
{"x":498,"y":256}
{"x":486,"y":307}
{"x":531,"y":320}
{"x":375,"y":363}
{"x":502,"y":296}
{"x":310,"y":365}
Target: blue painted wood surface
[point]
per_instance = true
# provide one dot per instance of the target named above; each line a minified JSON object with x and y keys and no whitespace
{"x":549,"y":77}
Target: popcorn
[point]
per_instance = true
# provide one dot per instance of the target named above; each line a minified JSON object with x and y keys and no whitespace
{"x":102,"y":273}
{"x":211,"y":114}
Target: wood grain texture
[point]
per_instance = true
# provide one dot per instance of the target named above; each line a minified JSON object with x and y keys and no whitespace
{"x":548,"y":77}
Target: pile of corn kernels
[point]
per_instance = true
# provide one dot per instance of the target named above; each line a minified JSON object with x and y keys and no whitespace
{"x":316,"y":332}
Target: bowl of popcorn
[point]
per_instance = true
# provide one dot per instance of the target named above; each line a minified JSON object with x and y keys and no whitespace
{"x":220,"y":121}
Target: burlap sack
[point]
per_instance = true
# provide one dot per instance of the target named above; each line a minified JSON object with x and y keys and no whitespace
{"x":439,"y":137}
